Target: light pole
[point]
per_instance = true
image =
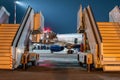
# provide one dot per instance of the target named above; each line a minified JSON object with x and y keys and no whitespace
{"x":14,"y":12}
{"x":17,"y":2}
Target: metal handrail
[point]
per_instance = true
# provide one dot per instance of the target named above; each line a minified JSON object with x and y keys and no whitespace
{"x":23,"y":27}
{"x":96,"y":42}
{"x":20,"y":29}
{"x":95,"y":27}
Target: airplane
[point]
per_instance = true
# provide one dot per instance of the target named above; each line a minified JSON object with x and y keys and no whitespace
{"x":59,"y":42}
{"x":69,"y":41}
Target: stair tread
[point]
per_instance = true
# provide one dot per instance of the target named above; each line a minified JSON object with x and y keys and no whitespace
{"x":111,"y":55}
{"x":110,"y":35}
{"x":111,"y":52}
{"x":111,"y":59}
{"x":109,"y":40}
{"x":10,"y":30}
{"x":4,"y":50}
{"x":5,"y":62}
{"x":111,"y":32}
{"x":112,"y":38}
{"x":109,"y":29}
{"x":5,"y":54}
{"x":6,"y":35}
{"x":111,"y":44}
{"x":7,"y":43}
{"x":117,"y":63}
{"x":106,"y":50}
{"x":111,"y":48}
{"x":5,"y":66}
{"x":5,"y":27}
{"x":109,"y":26}
{"x":2,"y":41}
{"x":11,"y":27}
{"x":5,"y":58}
{"x":114,"y":45}
{"x":107,"y":23}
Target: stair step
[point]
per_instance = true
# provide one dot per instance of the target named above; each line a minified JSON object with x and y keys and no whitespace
{"x":5,"y":44}
{"x":5,"y":55}
{"x":9,"y":35}
{"x":109,"y":26}
{"x":111,"y":51}
{"x":11,"y":27}
{"x":109,"y":29}
{"x":111,"y":55}
{"x":113,"y":38}
{"x":8,"y":26}
{"x":5,"y":41}
{"x":111,"y":59}
{"x":4,"y":34}
{"x":111,"y":44}
{"x":111,"y":62}
{"x":5,"y":30}
{"x":111,"y":48}
{"x":5,"y":66}
{"x":5,"y":62}
{"x":4,"y":47}
{"x":110,"y":32}
{"x":8,"y":38}
{"x":5,"y":58}
{"x":111,"y":41}
{"x":110,"y":35}
{"x":107,"y":23}
{"x":4,"y":51}
{"x":111,"y":68}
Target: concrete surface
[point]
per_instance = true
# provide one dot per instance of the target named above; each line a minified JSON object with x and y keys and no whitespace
{"x":57,"y":67}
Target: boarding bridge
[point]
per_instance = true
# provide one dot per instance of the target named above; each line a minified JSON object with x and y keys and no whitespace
{"x":103,"y":40}
{"x":13,"y":40}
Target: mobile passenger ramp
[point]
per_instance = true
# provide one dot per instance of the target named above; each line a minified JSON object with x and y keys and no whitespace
{"x":13,"y":39}
{"x":103,"y":40}
{"x":4,"y":15}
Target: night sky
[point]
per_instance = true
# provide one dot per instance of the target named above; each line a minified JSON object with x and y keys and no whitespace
{"x":61,"y":15}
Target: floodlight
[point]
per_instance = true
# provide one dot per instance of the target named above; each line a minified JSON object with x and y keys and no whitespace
{"x":17,"y":2}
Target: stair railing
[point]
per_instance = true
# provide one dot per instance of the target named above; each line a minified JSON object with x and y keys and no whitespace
{"x":22,"y":36}
{"x":93,"y":34}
